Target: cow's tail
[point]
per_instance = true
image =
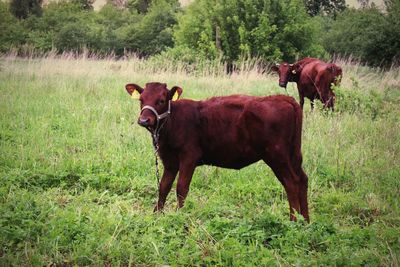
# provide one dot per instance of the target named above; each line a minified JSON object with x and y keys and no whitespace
{"x":301,"y":178}
{"x":296,"y":156}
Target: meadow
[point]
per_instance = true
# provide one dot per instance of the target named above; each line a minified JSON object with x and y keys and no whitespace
{"x":78,"y":181}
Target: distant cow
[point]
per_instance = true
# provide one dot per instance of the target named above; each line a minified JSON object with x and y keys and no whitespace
{"x":230,"y":132}
{"x":313,"y":77}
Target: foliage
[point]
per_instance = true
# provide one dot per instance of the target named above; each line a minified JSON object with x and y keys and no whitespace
{"x":367,"y":34}
{"x":273,"y":30}
{"x":84,"y":4}
{"x":153,"y":33}
{"x":228,"y":31}
{"x":391,"y":44}
{"x":324,"y":7}
{"x":24,"y":8}
{"x":12,"y":33}
{"x":355,"y":100}
{"x":73,"y":26}
{"x":141,"y":6}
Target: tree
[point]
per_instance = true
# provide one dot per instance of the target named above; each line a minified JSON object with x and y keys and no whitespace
{"x":367,"y":34}
{"x":231,"y":29}
{"x":12,"y":34}
{"x":152,"y":33}
{"x":324,"y":7}
{"x":141,"y":6}
{"x":23,"y":8}
{"x":84,"y":4}
{"x":391,"y":43}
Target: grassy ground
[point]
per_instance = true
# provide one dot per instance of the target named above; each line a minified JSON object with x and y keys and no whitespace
{"x":78,"y":185}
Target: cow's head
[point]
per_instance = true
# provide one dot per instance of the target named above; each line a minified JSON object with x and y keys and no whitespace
{"x":154,"y":101}
{"x":287,"y":73}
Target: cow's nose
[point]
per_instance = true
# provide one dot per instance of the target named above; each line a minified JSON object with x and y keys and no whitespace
{"x":144,"y":122}
{"x":282,"y":84}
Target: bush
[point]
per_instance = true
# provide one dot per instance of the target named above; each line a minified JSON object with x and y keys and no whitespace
{"x":367,"y":34}
{"x":232,"y":29}
{"x":24,"y":8}
{"x":357,"y":100}
{"x":12,"y":34}
{"x":153,"y":32}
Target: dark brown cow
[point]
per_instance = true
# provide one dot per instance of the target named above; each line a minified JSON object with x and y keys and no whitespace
{"x":229,"y":132}
{"x":313,"y":77}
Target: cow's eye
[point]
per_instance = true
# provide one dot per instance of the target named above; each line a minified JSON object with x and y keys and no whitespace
{"x":161,"y":102}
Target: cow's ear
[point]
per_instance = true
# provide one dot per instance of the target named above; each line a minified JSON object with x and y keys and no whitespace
{"x":134,"y":90}
{"x":175,"y":93}
{"x":295,"y":69}
{"x":275,"y":67}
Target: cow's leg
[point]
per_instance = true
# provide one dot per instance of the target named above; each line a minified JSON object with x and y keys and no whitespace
{"x":312,"y":103}
{"x":165,"y":187}
{"x":303,"y":186}
{"x":291,"y":182}
{"x":303,"y":194}
{"x":301,"y":96}
{"x":186,"y":170}
{"x":292,"y":190}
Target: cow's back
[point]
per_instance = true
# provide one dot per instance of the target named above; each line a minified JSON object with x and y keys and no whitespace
{"x":306,"y":83}
{"x":305,"y":61}
{"x":234,"y":131}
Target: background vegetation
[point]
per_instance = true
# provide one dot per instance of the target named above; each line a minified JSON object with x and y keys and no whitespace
{"x":204,"y":30}
{"x":78,"y":186}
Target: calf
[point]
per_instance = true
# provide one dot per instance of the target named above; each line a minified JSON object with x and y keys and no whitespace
{"x":230,"y":132}
{"x":313,"y":77}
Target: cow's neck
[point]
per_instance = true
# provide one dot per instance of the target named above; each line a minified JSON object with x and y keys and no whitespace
{"x":296,"y":78}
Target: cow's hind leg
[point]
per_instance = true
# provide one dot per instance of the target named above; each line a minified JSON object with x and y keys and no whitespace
{"x":303,"y":194}
{"x":291,"y":182}
{"x":303,"y":184}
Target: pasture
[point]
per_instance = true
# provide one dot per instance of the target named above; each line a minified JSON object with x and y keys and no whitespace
{"x":78,"y":182}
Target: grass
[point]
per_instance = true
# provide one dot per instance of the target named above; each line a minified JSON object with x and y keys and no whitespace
{"x":78,"y":184}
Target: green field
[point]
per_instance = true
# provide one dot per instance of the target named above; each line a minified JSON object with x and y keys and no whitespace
{"x":78,"y":184}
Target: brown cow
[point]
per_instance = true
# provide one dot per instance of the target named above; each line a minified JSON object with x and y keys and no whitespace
{"x":313,"y":77}
{"x":229,"y":132}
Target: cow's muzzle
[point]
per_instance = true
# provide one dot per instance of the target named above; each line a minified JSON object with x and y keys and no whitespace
{"x":148,"y":123}
{"x":145,"y":122}
{"x":282,"y":84}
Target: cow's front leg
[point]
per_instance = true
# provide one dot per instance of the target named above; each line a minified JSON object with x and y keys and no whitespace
{"x":301,"y":97}
{"x":165,"y":186}
{"x":186,"y":170}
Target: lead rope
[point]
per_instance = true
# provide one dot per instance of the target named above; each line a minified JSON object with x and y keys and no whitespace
{"x":155,"y":136}
{"x":156,"y":148}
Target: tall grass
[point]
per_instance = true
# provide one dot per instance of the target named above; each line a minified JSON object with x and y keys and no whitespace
{"x":78,"y":184}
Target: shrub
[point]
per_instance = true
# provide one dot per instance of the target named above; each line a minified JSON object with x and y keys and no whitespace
{"x":152,"y":33}
{"x":12,"y":34}
{"x":367,"y":34}
{"x":231,"y":29}
{"x":24,"y":8}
